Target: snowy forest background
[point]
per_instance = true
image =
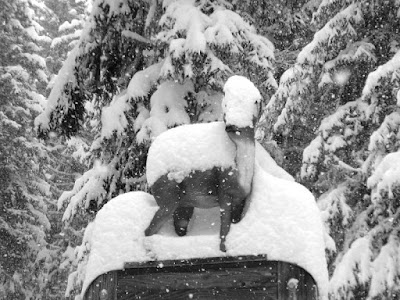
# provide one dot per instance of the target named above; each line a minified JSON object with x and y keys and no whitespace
{"x":329,"y":72}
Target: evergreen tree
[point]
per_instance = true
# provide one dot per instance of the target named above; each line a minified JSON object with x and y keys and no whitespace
{"x":361,"y":143}
{"x":65,"y":29}
{"x":335,"y":113}
{"x":25,"y":196}
{"x":67,"y":157}
{"x":286,"y":23}
{"x":138,"y":69}
{"x":32,"y":173}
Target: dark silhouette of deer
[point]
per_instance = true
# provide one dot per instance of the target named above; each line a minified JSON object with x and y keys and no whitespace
{"x":180,"y":183}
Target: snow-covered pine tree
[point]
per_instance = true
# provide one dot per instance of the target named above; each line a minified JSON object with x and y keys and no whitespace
{"x":67,"y":23}
{"x":303,"y":97}
{"x":192,"y":64}
{"x":341,"y":99}
{"x":98,"y":48}
{"x":365,"y":198}
{"x":286,"y":23}
{"x":140,"y":68}
{"x":26,"y":258}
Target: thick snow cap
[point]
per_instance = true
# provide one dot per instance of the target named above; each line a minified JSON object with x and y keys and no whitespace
{"x":239,"y":104}
{"x":180,"y":150}
{"x":282,"y":221}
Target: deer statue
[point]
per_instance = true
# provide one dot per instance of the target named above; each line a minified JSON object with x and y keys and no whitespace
{"x":206,"y":165}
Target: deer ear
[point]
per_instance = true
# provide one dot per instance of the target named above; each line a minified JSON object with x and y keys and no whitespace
{"x":257,"y":111}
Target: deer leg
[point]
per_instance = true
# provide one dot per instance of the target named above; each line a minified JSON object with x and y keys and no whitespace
{"x":182,"y":217}
{"x":226,"y":218}
{"x":166,"y":194}
{"x":237,"y":211}
{"x":162,"y":215}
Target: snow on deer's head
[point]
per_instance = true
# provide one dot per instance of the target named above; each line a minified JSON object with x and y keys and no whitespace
{"x":240,"y":108}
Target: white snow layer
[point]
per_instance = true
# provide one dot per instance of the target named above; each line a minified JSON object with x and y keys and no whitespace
{"x":180,"y":150}
{"x":282,"y":221}
{"x":386,"y":177}
{"x":113,"y":117}
{"x":64,"y":76}
{"x":385,"y":70}
{"x":185,"y":148}
{"x":239,"y":103}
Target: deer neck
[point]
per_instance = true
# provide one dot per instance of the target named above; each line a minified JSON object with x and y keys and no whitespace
{"x":243,"y":138}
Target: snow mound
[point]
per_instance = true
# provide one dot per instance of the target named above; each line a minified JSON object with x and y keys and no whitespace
{"x":282,"y":221}
{"x":239,"y":103}
{"x":268,"y":164}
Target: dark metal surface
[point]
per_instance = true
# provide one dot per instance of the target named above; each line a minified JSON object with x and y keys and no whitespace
{"x":245,"y":277}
